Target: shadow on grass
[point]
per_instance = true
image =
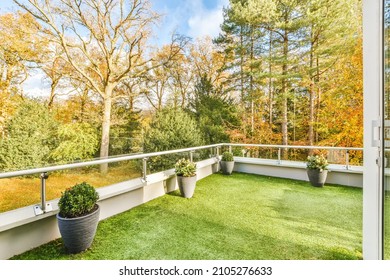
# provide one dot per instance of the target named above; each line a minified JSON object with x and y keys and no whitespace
{"x":174,"y":193}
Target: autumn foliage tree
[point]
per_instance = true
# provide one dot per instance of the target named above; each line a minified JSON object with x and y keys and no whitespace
{"x":280,"y":72}
{"x":105,"y":43}
{"x":20,"y":50}
{"x":282,"y":57}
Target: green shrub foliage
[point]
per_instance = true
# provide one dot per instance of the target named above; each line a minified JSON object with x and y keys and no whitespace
{"x":214,"y":111}
{"x":185,"y":168}
{"x":227,"y":156}
{"x":170,"y":129}
{"x":29,"y":139}
{"x":77,"y":201}
{"x":78,"y":141}
{"x":317,"y":162}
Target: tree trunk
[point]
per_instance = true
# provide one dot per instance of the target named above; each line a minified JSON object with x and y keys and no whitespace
{"x":270,"y":93}
{"x":53,"y":87}
{"x":311,"y":98}
{"x":284,"y":91}
{"x":183,"y":99}
{"x":311,"y":114}
{"x":318,"y":97}
{"x":83,"y":104}
{"x":243,"y":107}
{"x":106,"y":128}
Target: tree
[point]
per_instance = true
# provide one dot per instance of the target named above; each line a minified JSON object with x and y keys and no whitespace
{"x":20,"y":50}
{"x":281,"y":56}
{"x":247,"y":37}
{"x":103,"y":41}
{"x":170,"y":129}
{"x":342,"y":102}
{"x":324,"y":19}
{"x":214,"y":112}
{"x":30,"y":138}
{"x":126,"y":128}
{"x":55,"y":69}
{"x":77,"y":141}
{"x":181,"y":76}
{"x":156,"y":81}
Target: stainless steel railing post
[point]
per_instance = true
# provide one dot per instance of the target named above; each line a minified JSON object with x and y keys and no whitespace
{"x":43,"y":176}
{"x":144,"y":169}
{"x":44,"y":207}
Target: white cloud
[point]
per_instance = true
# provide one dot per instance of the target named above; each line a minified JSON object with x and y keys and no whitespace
{"x":34,"y":85}
{"x":205,"y":22}
{"x":195,"y":18}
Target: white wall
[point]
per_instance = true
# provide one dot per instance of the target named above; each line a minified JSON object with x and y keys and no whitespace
{"x":297,"y":170}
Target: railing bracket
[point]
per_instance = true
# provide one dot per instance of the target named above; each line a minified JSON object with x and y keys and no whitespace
{"x":38,"y":210}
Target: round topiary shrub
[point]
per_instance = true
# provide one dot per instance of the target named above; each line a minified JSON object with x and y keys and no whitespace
{"x":78,"y":201}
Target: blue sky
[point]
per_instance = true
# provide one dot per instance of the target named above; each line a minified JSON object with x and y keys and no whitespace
{"x":194,"y":18}
{"x":189,"y":17}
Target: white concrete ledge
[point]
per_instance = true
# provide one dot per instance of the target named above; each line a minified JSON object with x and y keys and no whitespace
{"x":339,"y":174}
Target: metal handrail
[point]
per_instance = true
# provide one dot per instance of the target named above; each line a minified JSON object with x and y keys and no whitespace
{"x":280,"y":147}
{"x":295,"y":147}
{"x":148,"y":155}
{"x":99,"y":161}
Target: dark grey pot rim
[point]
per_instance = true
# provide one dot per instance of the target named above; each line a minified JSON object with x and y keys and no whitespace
{"x":80,"y":217}
{"x":227,"y":160}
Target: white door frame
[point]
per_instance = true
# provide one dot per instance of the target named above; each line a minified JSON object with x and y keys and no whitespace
{"x":372,"y":88}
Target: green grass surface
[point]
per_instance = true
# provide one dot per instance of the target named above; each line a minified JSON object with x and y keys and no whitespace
{"x":387,"y":226}
{"x":241,"y":216}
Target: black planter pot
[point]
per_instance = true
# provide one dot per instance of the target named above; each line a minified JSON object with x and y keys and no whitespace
{"x":78,"y":233}
{"x":227,"y":167}
{"x":186,"y":185}
{"x":317,"y":177}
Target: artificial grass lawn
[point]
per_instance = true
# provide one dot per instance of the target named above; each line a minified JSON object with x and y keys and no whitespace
{"x":241,"y":216}
{"x":387,"y":226}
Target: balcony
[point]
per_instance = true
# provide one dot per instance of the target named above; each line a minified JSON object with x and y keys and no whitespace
{"x":243,"y":216}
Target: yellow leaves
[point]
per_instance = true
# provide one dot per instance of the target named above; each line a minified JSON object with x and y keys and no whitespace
{"x":19,"y":36}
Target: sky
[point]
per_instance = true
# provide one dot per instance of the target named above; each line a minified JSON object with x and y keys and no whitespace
{"x":194,"y":18}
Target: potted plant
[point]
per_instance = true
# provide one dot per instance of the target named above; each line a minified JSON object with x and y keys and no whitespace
{"x":227,"y":163}
{"x":186,"y":177}
{"x":78,"y":217}
{"x":317,"y":170}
